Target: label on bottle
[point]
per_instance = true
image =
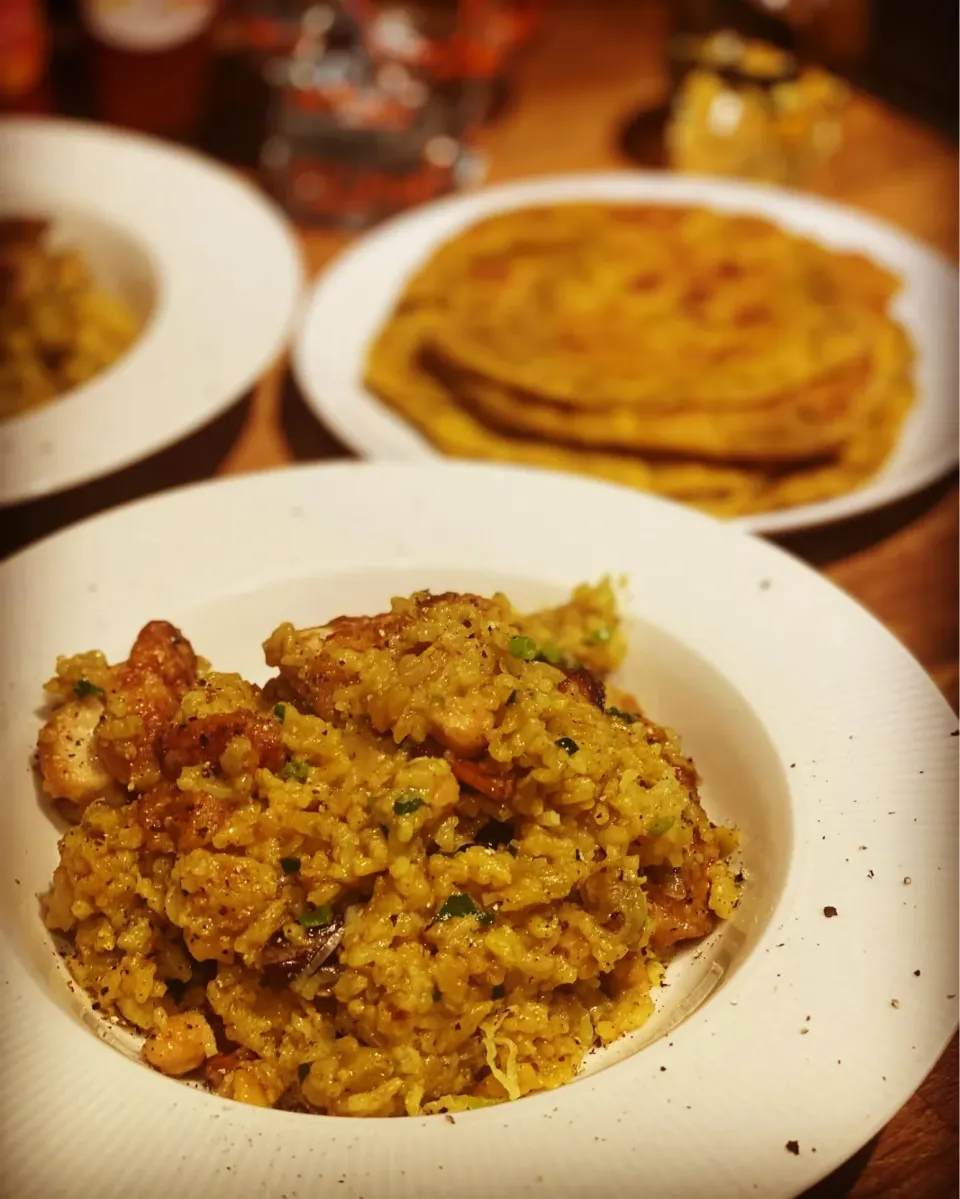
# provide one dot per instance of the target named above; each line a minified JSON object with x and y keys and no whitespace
{"x":145,"y":26}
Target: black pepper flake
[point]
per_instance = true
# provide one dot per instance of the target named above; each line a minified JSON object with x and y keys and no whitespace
{"x":663,"y":1069}
{"x":793,"y":1147}
{"x":869,"y":874}
{"x":916,"y":974}
{"x":568,"y":744}
{"x":829,"y":911}
{"x":449,"y":1119}
{"x":498,"y":991}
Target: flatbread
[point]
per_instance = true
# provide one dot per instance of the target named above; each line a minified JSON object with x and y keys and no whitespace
{"x":705,"y":356}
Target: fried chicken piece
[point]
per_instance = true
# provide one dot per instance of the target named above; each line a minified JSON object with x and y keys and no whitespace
{"x":315,"y":664}
{"x":109,"y":732}
{"x":587,"y":685}
{"x":70,"y":766}
{"x":679,"y":904}
{"x":205,"y":739}
{"x":161,"y":668}
{"x":176,"y":821}
{"x":484,"y":776}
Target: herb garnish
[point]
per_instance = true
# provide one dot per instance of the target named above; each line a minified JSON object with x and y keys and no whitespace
{"x":524,"y":648}
{"x":290,"y":865}
{"x":83,"y":687}
{"x":280,"y":710}
{"x":457,"y":905}
{"x":316,"y":917}
{"x":568,"y":744}
{"x":626,"y":717}
{"x":407,"y":804}
{"x":660,"y":826}
{"x":498,"y":991}
{"x":295,"y":769}
{"x":551,"y":653}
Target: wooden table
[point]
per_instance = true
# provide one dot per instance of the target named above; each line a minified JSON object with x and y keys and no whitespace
{"x":572,"y":94}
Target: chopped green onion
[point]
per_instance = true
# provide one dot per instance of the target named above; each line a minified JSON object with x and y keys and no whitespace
{"x":661,"y":825}
{"x":524,"y":648}
{"x":303,"y":1070}
{"x":316,"y":917}
{"x":83,"y":687}
{"x":626,"y":717}
{"x":599,"y":637}
{"x":512,"y":698}
{"x":295,"y":769}
{"x":290,"y":865}
{"x":568,"y":744}
{"x":280,"y":710}
{"x":457,"y":905}
{"x":551,"y":653}
{"x":498,"y":991}
{"x":407,"y":804}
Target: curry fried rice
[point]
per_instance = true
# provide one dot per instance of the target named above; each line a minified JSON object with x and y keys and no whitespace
{"x":428,"y":867}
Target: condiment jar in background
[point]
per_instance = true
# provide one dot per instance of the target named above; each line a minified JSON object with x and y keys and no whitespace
{"x":150,"y":62}
{"x":24,"y":56}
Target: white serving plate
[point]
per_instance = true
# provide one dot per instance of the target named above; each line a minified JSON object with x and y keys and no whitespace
{"x":210,"y":267}
{"x":814,"y":730}
{"x":355,"y":295}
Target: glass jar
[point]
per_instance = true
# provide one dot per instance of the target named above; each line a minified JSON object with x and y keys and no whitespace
{"x":745,"y":99}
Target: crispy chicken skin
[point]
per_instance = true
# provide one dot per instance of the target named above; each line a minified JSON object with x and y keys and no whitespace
{"x":110,"y":732}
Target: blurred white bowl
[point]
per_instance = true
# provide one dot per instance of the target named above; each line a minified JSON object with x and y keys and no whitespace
{"x":210,"y":268}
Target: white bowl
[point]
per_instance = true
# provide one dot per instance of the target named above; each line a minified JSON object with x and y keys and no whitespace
{"x":356,"y":294}
{"x":210,"y":268}
{"x":813,"y":728}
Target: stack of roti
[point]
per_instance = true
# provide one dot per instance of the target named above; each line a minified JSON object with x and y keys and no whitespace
{"x":706,"y":356}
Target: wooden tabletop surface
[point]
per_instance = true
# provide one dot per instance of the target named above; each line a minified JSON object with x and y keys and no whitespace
{"x":571,"y":94}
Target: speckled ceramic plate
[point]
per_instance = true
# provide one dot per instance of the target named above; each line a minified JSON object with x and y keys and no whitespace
{"x":355,"y":295}
{"x":782,"y":1044}
{"x":210,"y":269}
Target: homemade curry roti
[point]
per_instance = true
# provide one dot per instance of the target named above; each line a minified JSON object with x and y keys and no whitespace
{"x":430,"y":866}
{"x":657,"y":338}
